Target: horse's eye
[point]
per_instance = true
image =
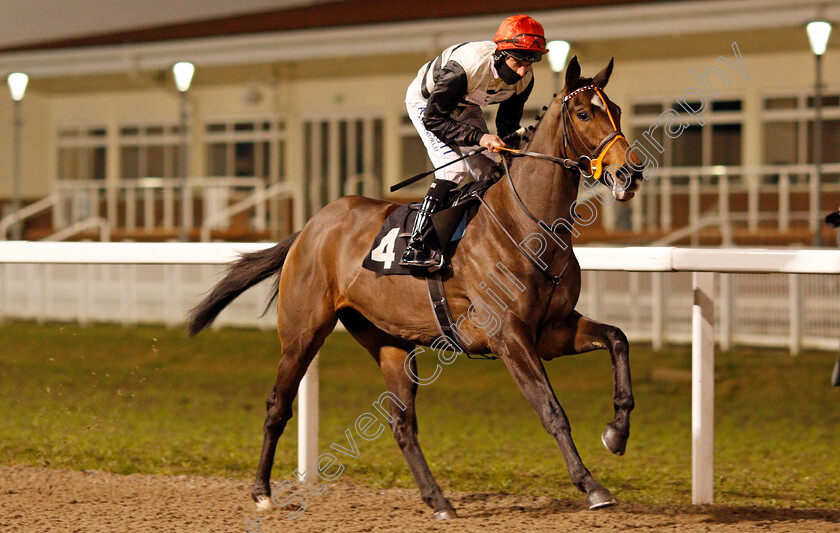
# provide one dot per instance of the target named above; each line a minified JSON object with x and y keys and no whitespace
{"x":583,"y":115}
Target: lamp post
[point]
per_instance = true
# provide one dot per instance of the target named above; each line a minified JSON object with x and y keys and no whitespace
{"x":17,"y":86}
{"x":818,"y":33}
{"x":183,"y":73}
{"x":558,"y":51}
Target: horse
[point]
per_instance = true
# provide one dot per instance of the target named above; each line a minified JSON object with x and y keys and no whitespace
{"x":319,"y":280}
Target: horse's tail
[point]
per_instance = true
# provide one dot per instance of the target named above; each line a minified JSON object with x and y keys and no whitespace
{"x":247,"y":271}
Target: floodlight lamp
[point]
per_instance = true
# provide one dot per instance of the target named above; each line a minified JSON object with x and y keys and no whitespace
{"x":818,"y":33}
{"x":183,"y":72}
{"x":558,"y":51}
{"x":17,"y":85}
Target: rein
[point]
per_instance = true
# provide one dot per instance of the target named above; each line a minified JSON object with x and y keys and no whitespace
{"x":555,"y":279}
{"x":584,"y":163}
{"x":565,"y":162}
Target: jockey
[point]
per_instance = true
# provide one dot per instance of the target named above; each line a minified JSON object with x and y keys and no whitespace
{"x":444,"y":103}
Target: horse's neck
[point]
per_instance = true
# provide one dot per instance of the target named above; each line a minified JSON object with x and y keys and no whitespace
{"x":547,"y":189}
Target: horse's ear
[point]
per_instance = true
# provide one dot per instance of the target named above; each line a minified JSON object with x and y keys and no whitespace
{"x":603,"y":77}
{"x":572,"y":74}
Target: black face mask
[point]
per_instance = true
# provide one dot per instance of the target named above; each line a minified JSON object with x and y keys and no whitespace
{"x":505,"y":72}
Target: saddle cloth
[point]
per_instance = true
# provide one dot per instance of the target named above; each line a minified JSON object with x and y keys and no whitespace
{"x":447,"y":227}
{"x":389,"y":245}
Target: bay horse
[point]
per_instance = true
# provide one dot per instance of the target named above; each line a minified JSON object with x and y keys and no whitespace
{"x":320,"y":280}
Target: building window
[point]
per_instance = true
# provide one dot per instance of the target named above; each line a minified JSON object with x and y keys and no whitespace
{"x":690,"y":134}
{"x":150,"y":150}
{"x":788,"y":131}
{"x":245,"y":148}
{"x":342,"y":155}
{"x":81,"y":152}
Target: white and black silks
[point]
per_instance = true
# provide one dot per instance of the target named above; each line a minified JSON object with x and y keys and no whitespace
{"x":446,"y":97}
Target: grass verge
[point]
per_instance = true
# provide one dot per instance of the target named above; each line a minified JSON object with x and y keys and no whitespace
{"x":151,"y":400}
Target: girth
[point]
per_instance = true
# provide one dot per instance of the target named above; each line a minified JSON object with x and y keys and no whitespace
{"x":443,"y":317}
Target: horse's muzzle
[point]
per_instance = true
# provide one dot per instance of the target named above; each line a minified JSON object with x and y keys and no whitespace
{"x":624,"y":182}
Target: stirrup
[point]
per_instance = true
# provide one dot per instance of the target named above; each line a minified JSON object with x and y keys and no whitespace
{"x":418,"y":257}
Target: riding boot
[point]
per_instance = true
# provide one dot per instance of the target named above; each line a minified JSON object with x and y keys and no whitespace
{"x":416,"y":252}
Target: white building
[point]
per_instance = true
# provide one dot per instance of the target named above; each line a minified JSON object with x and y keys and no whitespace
{"x":312,"y":96}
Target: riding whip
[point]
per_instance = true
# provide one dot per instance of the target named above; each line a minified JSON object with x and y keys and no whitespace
{"x":418,"y":177}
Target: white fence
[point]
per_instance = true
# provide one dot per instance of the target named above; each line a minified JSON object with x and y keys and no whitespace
{"x":149,"y":203}
{"x":776,"y":196}
{"x":154,"y":206}
{"x":704,"y":263}
{"x":750,"y":195}
{"x":790,"y":311}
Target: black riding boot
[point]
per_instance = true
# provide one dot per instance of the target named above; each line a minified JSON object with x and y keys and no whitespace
{"x":416,"y":253}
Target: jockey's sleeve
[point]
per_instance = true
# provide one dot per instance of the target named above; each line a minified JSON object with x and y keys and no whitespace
{"x":449,"y":90}
{"x":510,"y":112}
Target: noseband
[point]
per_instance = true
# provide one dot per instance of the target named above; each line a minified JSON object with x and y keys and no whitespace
{"x":592,"y":165}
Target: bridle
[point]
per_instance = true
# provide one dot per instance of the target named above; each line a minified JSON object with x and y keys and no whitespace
{"x":595,"y":167}
{"x":591,"y":165}
{"x":585,"y":164}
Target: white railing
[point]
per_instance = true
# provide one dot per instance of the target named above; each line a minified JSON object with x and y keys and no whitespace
{"x":149,"y":204}
{"x":787,"y":311}
{"x":256,"y":201}
{"x":705,"y":264}
{"x":74,"y":229}
{"x":22,"y":214}
{"x":728,"y":186}
{"x":737,"y":194}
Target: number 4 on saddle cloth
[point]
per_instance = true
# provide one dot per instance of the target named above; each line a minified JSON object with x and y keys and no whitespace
{"x":447,"y":228}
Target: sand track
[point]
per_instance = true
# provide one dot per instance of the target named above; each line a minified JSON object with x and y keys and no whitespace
{"x":46,"y":500}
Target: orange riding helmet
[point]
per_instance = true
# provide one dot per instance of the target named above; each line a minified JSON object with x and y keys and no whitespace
{"x":521,"y":37}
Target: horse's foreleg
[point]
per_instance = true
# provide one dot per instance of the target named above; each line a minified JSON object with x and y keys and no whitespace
{"x":518,"y":351}
{"x":579,"y":334}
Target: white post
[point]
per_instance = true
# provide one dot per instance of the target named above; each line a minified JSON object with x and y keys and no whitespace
{"x":795,"y":312}
{"x":637,"y":220}
{"x":693,"y":203}
{"x":813,"y":209}
{"x":753,"y":188}
{"x":784,"y":201}
{"x":702,"y":389}
{"x":658,"y":296}
{"x":333,"y":177}
{"x":595,"y":294}
{"x":727,"y":316}
{"x":308,"y":421}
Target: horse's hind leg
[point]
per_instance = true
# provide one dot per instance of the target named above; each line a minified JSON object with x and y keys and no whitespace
{"x":391,"y":354}
{"x":298,"y":352}
{"x":579,"y":334}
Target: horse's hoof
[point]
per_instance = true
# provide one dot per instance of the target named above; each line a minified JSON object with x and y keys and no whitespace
{"x":263,"y":503}
{"x":447,"y":514}
{"x":613,"y":441}
{"x":600,"y":498}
